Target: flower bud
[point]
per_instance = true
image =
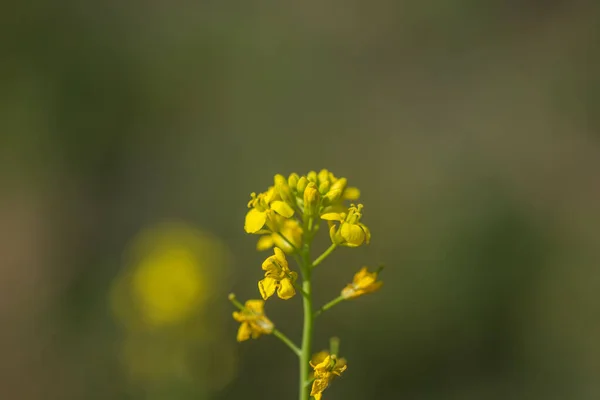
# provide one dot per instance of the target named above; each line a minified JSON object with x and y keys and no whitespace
{"x":312,"y":198}
{"x":293,"y":181}
{"x":324,"y":187}
{"x":283,"y":189}
{"x":301,"y":186}
{"x":323,"y":176}
{"x":312,"y":176}
{"x":336,"y":190}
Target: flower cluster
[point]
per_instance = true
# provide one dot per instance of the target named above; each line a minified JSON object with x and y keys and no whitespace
{"x":306,"y":197}
{"x":287,"y":216}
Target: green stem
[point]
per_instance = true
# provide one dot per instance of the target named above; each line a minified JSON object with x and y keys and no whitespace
{"x":327,"y":306}
{"x":287,"y":341}
{"x":323,"y":256}
{"x":310,"y":224}
{"x":307,"y":329}
{"x":299,"y":288}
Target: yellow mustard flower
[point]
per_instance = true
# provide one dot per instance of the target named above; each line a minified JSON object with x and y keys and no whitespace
{"x":288,"y":236}
{"x":325,"y":372}
{"x":253,"y":321}
{"x":351,"y":232}
{"x":364,"y":282}
{"x":262,"y":207}
{"x":278,"y":277}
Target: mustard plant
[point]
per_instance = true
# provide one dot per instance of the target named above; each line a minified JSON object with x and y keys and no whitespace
{"x":288,"y":216}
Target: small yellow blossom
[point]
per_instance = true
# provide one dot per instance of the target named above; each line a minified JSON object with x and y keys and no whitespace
{"x":262,"y":206}
{"x":254,"y":322}
{"x":278,"y":277}
{"x":364,"y":282}
{"x":325,"y":372}
{"x":288,"y":236}
{"x":351,"y":232}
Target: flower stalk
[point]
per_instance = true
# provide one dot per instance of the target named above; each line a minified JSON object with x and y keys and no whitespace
{"x":307,"y":331}
{"x":323,"y":256}
{"x":327,"y":306}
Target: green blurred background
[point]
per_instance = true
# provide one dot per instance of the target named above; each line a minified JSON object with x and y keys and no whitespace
{"x":133,"y":132}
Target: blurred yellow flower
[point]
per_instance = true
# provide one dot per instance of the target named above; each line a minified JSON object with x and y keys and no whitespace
{"x":168,"y":285}
{"x":161,"y":297}
{"x":253,"y":321}
{"x":172,"y":269}
{"x":351,"y":232}
{"x":364,"y":282}
{"x":277,"y":277}
{"x":325,"y":372}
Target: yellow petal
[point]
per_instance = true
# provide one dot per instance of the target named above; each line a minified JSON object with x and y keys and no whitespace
{"x":360,"y":275}
{"x":238,"y":316}
{"x":255,"y":220}
{"x":256,"y":306}
{"x":367,"y":232}
{"x":267,"y":287}
{"x":353,"y":234}
{"x":333,"y":235}
{"x":264,"y":243}
{"x":270,"y":195}
{"x":324,"y":365}
{"x":282,"y":208}
{"x":318,"y":386}
{"x":375,"y":287}
{"x":244,"y":332}
{"x":282,"y":244}
{"x":280,"y":256}
{"x":367,"y":280}
{"x":270,"y":263}
{"x":332,"y":216}
{"x":286,"y":289}
{"x":318,"y":358}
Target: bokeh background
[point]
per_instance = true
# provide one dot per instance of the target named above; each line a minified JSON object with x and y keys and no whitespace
{"x":133,"y":132}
